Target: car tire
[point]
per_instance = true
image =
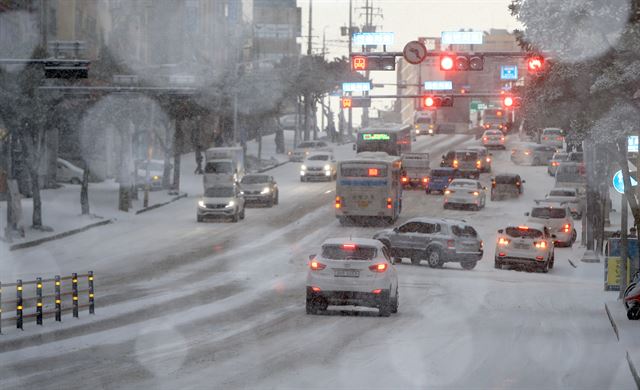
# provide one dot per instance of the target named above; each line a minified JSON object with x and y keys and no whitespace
{"x":545,"y":268}
{"x":302,"y":179}
{"x":536,"y":161}
{"x":468,"y":265}
{"x":270,"y":202}
{"x":497,"y":264}
{"x":242,"y":214}
{"x":235,"y":218}
{"x":415,"y":260}
{"x":277,"y":200}
{"x":574,"y":237}
{"x":445,"y":206}
{"x":342,"y":220}
{"x":384,"y":308}
{"x":552,"y":261}
{"x":395,"y":302}
{"x":199,"y":218}
{"x":434,"y":258}
{"x":633,"y":313}
{"x":493,"y":197}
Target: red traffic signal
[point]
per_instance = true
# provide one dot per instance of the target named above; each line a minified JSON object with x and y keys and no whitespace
{"x":437,"y":101}
{"x":446,"y":62}
{"x":535,"y":64}
{"x":461,"y":62}
{"x":511,"y":101}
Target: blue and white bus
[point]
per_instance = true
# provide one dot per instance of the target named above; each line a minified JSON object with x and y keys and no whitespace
{"x":392,"y":139}
{"x":368,"y":186}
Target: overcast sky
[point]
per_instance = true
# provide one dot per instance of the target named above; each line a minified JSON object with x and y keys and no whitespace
{"x":409,"y":19}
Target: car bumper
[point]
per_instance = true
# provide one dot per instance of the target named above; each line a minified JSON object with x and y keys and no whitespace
{"x":493,"y":143}
{"x":519,"y":260}
{"x":563,"y":237}
{"x":453,"y":256}
{"x":258,"y":198}
{"x":355,"y":298}
{"x":462,"y":201}
{"x":321,"y":175}
{"x":205,"y":212}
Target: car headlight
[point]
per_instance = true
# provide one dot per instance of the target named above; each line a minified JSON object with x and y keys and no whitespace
{"x":266,"y":190}
{"x":231,"y":204}
{"x":156,"y":177}
{"x":327,"y":167}
{"x":201,"y":203}
{"x":303,"y":167}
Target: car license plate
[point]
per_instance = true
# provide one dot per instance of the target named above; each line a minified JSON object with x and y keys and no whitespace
{"x":363,"y":204}
{"x":521,"y":245}
{"x":347,"y":273}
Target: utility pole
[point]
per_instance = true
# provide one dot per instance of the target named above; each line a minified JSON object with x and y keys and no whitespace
{"x":368,"y":19}
{"x":350,"y":126}
{"x":307,"y":97}
{"x":324,"y":48}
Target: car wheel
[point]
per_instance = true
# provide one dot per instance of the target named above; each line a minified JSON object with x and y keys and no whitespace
{"x":270,"y":203}
{"x":446,"y":206}
{"x":395,"y":303}
{"x":552,"y":261}
{"x":384,"y":309}
{"x":199,"y":218}
{"x":275,"y":200}
{"x":574,"y":237}
{"x":493,"y":197}
{"x":302,"y":179}
{"x":242,"y":214}
{"x":415,"y":260}
{"x":545,"y":268}
{"x":497,"y":264}
{"x":633,"y":313}
{"x":315,"y":305}
{"x":468,"y":265}
{"x":434,"y":258}
{"x":75,"y":180}
{"x":536,"y":161}
{"x":342,"y":220}
{"x":234,"y":218}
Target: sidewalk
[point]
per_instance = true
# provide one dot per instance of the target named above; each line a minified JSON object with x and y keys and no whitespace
{"x":61,"y":206}
{"x":627,"y":332}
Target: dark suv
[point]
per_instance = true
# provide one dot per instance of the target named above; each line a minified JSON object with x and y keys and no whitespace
{"x":467,"y":162}
{"x":436,"y":240}
{"x":506,"y":185}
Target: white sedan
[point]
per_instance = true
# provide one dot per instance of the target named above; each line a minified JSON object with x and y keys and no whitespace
{"x":319,"y":166}
{"x":352,"y":271}
{"x":465,"y":192}
{"x":493,"y":138}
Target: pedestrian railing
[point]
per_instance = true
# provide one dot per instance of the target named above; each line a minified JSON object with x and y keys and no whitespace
{"x":47,"y":297}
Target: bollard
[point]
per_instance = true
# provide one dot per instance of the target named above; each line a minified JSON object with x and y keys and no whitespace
{"x":91,"y":301}
{"x":19,"y":304}
{"x":74,"y":291}
{"x":58,"y":301}
{"x":39,"y":301}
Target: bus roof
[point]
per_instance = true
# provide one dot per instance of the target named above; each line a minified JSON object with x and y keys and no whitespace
{"x":373,"y":157}
{"x":390,"y":127}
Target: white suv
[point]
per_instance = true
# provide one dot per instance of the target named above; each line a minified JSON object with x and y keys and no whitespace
{"x":529,"y":246}
{"x":221,"y":201}
{"x":356,"y":272}
{"x":557,"y":218}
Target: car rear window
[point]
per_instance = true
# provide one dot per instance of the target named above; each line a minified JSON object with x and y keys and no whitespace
{"x":548,"y":212}
{"x":517,"y":232}
{"x":463,"y":184}
{"x":552,"y":132}
{"x":561,"y":157}
{"x":436,"y":173}
{"x":562,"y":193}
{"x":463,"y":231}
{"x":467,"y":156}
{"x":506,"y":180}
{"x":339,"y":252}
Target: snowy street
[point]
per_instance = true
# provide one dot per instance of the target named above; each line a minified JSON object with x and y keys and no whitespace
{"x":182,"y":304}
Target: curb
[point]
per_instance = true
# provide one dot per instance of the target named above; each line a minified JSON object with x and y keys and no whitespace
{"x":613,"y":323}
{"x":33,"y":243}
{"x":633,"y":370}
{"x":157,"y":205}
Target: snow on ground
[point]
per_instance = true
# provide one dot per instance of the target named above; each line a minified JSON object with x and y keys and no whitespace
{"x":221,"y":305}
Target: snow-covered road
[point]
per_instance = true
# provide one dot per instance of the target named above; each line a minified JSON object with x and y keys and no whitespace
{"x":221,"y":305}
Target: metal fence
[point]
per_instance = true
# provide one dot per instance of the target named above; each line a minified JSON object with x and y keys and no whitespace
{"x":42,"y":298}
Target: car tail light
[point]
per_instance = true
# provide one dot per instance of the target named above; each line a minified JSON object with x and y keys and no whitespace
{"x":349,"y":247}
{"x":485,"y":139}
{"x":503,"y":241}
{"x":545,"y":138}
{"x":389,"y":203}
{"x":447,"y":192}
{"x":377,"y":291}
{"x":502,"y":139}
{"x":540,"y":245}
{"x":518,"y":183}
{"x":380,"y":267}
{"x":566,"y":228}
{"x":316,"y":265}
{"x":451,"y":244}
{"x":502,"y":254}
{"x":488,"y":159}
{"x":539,"y":258}
{"x":526,"y":152}
{"x":455,"y":163}
{"x":479,"y":163}
{"x":315,"y":289}
{"x":499,"y":126}
{"x":474,"y":193}
{"x":404,"y":179}
{"x":425,"y":180}
{"x":559,"y":139}
{"x":338,"y":202}
{"x":554,"y":163}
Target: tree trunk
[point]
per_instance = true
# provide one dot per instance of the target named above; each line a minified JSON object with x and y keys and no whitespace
{"x":307,"y":119}
{"x":166,"y":174}
{"x":37,"y":200}
{"x":279,"y":138}
{"x":177,"y":150}
{"x":84,"y":191}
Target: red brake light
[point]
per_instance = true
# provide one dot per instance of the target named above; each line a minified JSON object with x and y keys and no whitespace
{"x":502,"y":254}
{"x":451,"y":244}
{"x":373,"y":172}
{"x":485,"y":138}
{"x":380,"y":267}
{"x":503,"y":241}
{"x":377,"y":291}
{"x":539,"y":258}
{"x":338,"y":202}
{"x":389,"y":203}
{"x":315,"y":289}
{"x":405,"y":179}
{"x":559,"y":138}
{"x":523,"y":227}
{"x":425,"y":179}
{"x":566,"y":228}
{"x":349,"y":247}
{"x":316,"y":266}
{"x":455,"y":163}
{"x":479,"y":163}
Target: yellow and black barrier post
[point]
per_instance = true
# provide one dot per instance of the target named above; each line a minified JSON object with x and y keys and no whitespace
{"x":39,"y":301}
{"x":91,"y":301}
{"x":58,"y":300}
{"x":19,"y":304}
{"x":74,"y":292}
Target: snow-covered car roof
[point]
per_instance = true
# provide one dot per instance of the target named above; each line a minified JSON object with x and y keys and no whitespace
{"x":564,"y":189}
{"x":352,"y":240}
{"x":319,"y":153}
{"x":464,"y":181}
{"x":459,"y":222}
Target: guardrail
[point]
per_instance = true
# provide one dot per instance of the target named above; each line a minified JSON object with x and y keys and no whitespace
{"x":48,"y":294}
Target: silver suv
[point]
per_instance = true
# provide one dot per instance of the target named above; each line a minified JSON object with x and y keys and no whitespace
{"x":436,"y":240}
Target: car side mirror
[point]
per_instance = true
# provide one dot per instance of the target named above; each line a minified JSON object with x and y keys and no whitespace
{"x":553,"y":236}
{"x":500,"y":231}
{"x":311,"y":257}
{"x":524,"y":181}
{"x":526,"y":214}
{"x":354,"y":146}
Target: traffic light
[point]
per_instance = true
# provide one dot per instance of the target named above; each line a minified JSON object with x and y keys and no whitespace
{"x":510,"y":101}
{"x":461,"y":62}
{"x":363,"y":62}
{"x":66,"y":69}
{"x":535,"y":63}
{"x":355,"y":101}
{"x":435,"y":101}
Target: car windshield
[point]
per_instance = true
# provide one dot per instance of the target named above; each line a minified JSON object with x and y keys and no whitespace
{"x":552,"y":132}
{"x":506,"y":180}
{"x":423,"y":120}
{"x":523,"y":232}
{"x":548,"y":212}
{"x":562,"y":193}
{"x":438,"y":173}
{"x":219,"y":192}
{"x":306,"y":145}
{"x":318,"y":157}
{"x":218,"y":167}
{"x":348,"y":252}
{"x":467,"y":156}
{"x":252,"y":179}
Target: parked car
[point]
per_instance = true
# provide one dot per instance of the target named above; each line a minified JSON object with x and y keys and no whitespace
{"x":557,"y":218}
{"x":532,"y":154}
{"x":357,"y":272}
{"x":555,"y":161}
{"x":529,"y":246}
{"x":156,"y":173}
{"x":553,"y":137}
{"x":260,"y":188}
{"x":494,"y":139}
{"x":465,"y":192}
{"x":439,"y":179}
{"x":435,"y":240}
{"x":485,"y":157}
{"x":571,"y":196}
{"x":67,"y":172}
{"x":305,"y":148}
{"x":223,"y":201}
{"x":506,"y":185}
{"x":318,"y":165}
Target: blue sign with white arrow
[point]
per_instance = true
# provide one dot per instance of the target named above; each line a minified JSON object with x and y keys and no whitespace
{"x":618,"y":183}
{"x":508,"y":72}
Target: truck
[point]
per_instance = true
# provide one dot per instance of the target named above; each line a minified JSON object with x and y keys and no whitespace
{"x":415,"y":169}
{"x":424,"y":122}
{"x":223,"y":166}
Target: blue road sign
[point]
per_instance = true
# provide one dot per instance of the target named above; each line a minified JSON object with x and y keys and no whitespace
{"x":508,"y":72}
{"x":618,"y":183}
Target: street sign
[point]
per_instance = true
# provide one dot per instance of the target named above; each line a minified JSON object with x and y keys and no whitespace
{"x":618,"y":183}
{"x":373,"y":38}
{"x":632,"y":143}
{"x":508,"y":72}
{"x":356,"y":87}
{"x":461,"y":37}
{"x":355,"y":101}
{"x":414,"y":52}
{"x":438,"y":85}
